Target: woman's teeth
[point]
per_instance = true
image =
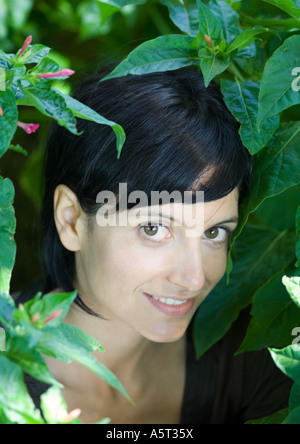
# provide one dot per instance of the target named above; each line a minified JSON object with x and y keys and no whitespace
{"x":169,"y":301}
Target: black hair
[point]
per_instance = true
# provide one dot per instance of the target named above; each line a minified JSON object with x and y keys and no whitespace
{"x":176,"y":130}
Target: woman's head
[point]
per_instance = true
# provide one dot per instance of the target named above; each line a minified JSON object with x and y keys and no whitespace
{"x":179,"y":136}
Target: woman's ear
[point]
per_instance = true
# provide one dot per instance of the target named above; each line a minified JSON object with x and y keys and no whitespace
{"x":67,"y":216}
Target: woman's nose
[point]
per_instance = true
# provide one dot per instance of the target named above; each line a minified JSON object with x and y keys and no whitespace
{"x":188,"y":269}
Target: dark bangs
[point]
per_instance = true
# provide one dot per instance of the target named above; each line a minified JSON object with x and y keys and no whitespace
{"x":176,"y":130}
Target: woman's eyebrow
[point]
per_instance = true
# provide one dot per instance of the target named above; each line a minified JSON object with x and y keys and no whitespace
{"x":234,"y":219}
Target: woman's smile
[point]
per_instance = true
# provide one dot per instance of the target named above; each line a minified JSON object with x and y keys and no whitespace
{"x":170,"y":306}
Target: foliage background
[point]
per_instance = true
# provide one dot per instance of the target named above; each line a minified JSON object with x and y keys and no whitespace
{"x":96,"y":33}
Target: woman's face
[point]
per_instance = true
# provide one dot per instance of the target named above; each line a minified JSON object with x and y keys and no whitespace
{"x":151,"y":277}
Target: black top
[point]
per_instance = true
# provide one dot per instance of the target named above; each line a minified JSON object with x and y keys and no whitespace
{"x":220,"y":388}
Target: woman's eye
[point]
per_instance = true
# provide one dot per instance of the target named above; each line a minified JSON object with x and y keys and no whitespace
{"x":155,"y":232}
{"x":216,"y":234}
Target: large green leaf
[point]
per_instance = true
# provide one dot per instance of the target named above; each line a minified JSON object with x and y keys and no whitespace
{"x":165,"y":53}
{"x":293,"y":417}
{"x":213,"y":65}
{"x":227,"y":17}
{"x":294,"y":400}
{"x":14,"y":398}
{"x":292,"y":285}
{"x":245,"y":38}
{"x":209,"y":25}
{"x":8,"y":121}
{"x":274,"y":316}
{"x":7,"y":231}
{"x":298,"y":236}
{"x":184,"y":13}
{"x":277,"y":167}
{"x":84,"y":112}
{"x":242,"y":100}
{"x":288,"y":6}
{"x":52,"y":104}
{"x":252,"y":268}
{"x":30,"y":361}
{"x":288,"y":361}
{"x":278,"y":88}
{"x":68,"y":343}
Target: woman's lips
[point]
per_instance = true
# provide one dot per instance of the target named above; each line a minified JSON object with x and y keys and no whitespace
{"x":170,"y":306}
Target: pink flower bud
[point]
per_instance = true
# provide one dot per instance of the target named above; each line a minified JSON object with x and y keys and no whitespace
{"x":26,"y":44}
{"x":72,"y":415}
{"x":208,"y":40}
{"x":1,"y":111}
{"x":62,"y":73}
{"x":55,"y":315}
{"x":35,"y":318}
{"x":29,"y":128}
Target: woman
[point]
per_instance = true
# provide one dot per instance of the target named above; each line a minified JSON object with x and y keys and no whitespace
{"x":140,"y":282}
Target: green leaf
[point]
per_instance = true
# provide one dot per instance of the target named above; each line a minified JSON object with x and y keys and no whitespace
{"x":184,"y":14}
{"x":242,"y":100}
{"x":274,"y":316}
{"x":293,"y":417}
{"x":279,"y":88}
{"x":14,"y":398}
{"x":165,"y":53}
{"x":53,"y":406}
{"x":46,"y":305}
{"x":257,"y":265}
{"x":84,"y":112}
{"x":7,"y":307}
{"x":287,"y":6}
{"x":52,"y":104}
{"x":2,"y":339}
{"x":213,"y":65}
{"x":8,"y":121}
{"x":35,"y":53}
{"x":68,"y":343}
{"x":298,"y":237}
{"x":245,"y":38}
{"x":292,"y":285}
{"x":288,"y":361}
{"x":275,"y":418}
{"x":294,"y":400}
{"x":18,"y":350}
{"x":227,"y":17}
{"x":7,"y":231}
{"x":18,"y":149}
{"x":277,"y":167}
{"x":46,"y":65}
{"x":208,"y":25}
{"x":2,"y":79}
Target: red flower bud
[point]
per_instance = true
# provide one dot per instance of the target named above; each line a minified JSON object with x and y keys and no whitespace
{"x":62,"y":73}
{"x":55,"y":315}
{"x":29,"y":128}
{"x":26,"y":44}
{"x":208,"y":40}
